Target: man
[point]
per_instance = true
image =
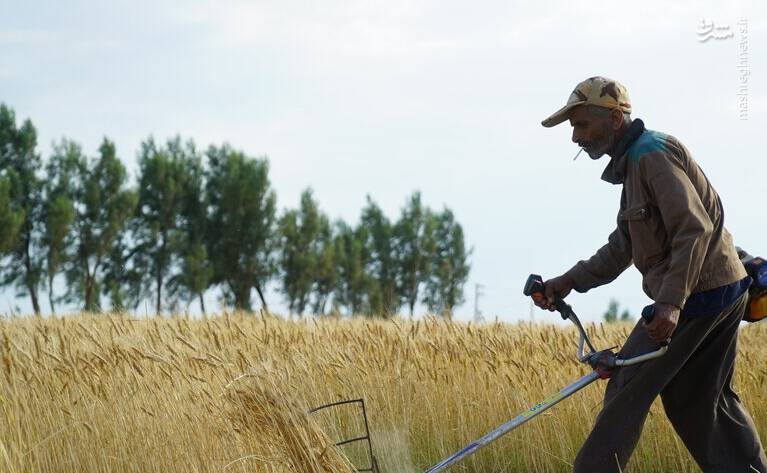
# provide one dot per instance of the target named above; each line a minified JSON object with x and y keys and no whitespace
{"x":670,"y":226}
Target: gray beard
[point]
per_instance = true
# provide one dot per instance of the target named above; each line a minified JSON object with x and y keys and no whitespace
{"x":610,"y":137}
{"x":595,"y":155}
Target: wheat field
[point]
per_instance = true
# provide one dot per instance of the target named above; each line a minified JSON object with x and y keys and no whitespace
{"x":112,"y":393}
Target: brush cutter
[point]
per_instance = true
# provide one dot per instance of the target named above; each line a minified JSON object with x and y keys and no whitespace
{"x":603,"y":363}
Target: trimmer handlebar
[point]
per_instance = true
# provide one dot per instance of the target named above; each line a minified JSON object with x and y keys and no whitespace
{"x":535,"y":288}
{"x":602,"y":361}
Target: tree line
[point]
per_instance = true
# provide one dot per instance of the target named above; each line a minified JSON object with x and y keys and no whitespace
{"x":198,"y":220}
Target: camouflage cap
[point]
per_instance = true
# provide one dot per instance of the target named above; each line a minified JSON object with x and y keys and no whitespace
{"x":599,"y":91}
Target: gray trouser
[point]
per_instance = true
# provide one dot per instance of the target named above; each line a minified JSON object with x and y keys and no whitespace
{"x":694,"y":380}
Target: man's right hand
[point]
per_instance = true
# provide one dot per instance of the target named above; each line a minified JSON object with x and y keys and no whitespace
{"x":555,"y":288}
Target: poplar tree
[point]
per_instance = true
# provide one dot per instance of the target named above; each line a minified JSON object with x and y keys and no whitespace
{"x":59,"y":209}
{"x":325,"y":274}
{"x":20,"y":164}
{"x":449,"y":263}
{"x":350,"y":261}
{"x":196,"y":272}
{"x":298,"y":252}
{"x":242,"y":220}
{"x":410,"y":242}
{"x":103,"y":205}
{"x":158,"y":223}
{"x":381,"y":265}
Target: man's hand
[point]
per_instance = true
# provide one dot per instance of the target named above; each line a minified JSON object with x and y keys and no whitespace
{"x":556,"y":288}
{"x":664,"y":322}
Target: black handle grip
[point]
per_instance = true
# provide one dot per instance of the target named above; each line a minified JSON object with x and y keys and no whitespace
{"x":535,"y":288}
{"x":648,"y":313}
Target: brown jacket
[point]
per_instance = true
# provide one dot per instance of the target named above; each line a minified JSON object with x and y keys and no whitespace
{"x":670,"y":223}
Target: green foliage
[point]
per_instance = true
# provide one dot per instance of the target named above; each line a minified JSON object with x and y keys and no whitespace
{"x":196,"y":272}
{"x":611,"y":315}
{"x":449,"y":263}
{"x":103,"y":204}
{"x":195,"y":275}
{"x":411,"y":243}
{"x":20,"y":165}
{"x":11,"y":219}
{"x":241,"y":242}
{"x":187,"y":227}
{"x":299,"y":255}
{"x":158,"y":227}
{"x":381,"y":261}
{"x":350,"y":261}
{"x":59,"y":209}
{"x":325,"y":274}
{"x":120,"y":280}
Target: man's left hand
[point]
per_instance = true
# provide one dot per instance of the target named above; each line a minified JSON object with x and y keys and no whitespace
{"x":664,"y":322}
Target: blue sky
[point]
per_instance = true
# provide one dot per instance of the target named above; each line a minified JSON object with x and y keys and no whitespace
{"x":388,"y":97}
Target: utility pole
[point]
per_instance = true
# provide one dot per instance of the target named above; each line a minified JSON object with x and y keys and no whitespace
{"x":477,"y":293}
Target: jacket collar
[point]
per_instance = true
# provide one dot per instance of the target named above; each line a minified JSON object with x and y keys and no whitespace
{"x":615,"y":171}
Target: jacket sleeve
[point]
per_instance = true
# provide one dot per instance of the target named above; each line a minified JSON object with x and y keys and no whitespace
{"x":686,"y":221}
{"x":606,"y":264}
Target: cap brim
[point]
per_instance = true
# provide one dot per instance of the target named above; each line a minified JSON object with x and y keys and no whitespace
{"x":560,"y":115}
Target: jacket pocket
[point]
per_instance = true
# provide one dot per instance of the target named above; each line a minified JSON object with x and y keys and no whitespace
{"x":636,"y":214}
{"x":647,"y":235}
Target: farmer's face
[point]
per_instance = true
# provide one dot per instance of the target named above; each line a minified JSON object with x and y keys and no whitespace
{"x":593,"y":130}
